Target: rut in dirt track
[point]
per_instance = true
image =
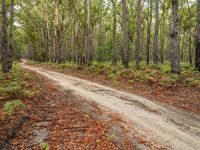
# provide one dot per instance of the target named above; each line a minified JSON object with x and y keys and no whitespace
{"x":170,"y":127}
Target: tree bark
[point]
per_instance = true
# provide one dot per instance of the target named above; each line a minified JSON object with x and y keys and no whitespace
{"x":5,"y":55}
{"x":190,"y":36}
{"x":149,"y":22}
{"x":89,"y":51}
{"x":138,"y":38}
{"x":11,"y":40}
{"x":163,"y":34}
{"x":114,"y":48}
{"x":76,"y":41}
{"x":47,"y":30}
{"x":197,"y":64}
{"x":175,"y":54}
{"x":155,"y":45}
{"x":125,"y":56}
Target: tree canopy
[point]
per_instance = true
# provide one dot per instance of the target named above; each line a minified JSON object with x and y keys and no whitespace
{"x":83,"y":31}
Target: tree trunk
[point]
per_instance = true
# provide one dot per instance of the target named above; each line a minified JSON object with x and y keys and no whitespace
{"x":89,"y":51}
{"x":175,"y":58}
{"x":138,"y":38}
{"x":5,"y":55}
{"x":11,"y":40}
{"x":197,"y":64}
{"x":47,"y":30}
{"x":162,"y":35}
{"x":155,"y":44}
{"x":125,"y":56}
{"x":190,"y":36}
{"x":149,"y":22}
{"x":114,"y":48}
{"x":76,"y":41}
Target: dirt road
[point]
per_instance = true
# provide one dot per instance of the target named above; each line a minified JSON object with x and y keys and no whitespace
{"x":168,"y":126}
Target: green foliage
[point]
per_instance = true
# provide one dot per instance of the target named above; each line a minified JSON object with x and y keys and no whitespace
{"x":113,"y":76}
{"x":169,"y":80}
{"x":44,"y":146}
{"x":165,"y":68}
{"x":11,"y":105}
{"x":160,"y":74}
{"x":10,"y":88}
{"x":14,"y":82}
{"x":28,"y":93}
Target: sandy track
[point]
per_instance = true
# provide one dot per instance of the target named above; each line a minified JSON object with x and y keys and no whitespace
{"x":168,"y":126}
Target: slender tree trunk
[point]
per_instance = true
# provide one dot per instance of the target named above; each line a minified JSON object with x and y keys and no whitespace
{"x":182,"y":46}
{"x":84,"y":44}
{"x":11,"y":40}
{"x":89,"y":56}
{"x":190,"y":36}
{"x":155,"y":44}
{"x":197,"y":64}
{"x":47,"y":30}
{"x":5,"y":56}
{"x":175,"y":54}
{"x":149,"y":22}
{"x":57,"y":32}
{"x":163,"y":34}
{"x":76,"y":41}
{"x":125,"y":56}
{"x":63,"y":37}
{"x":138,"y":38}
{"x":114,"y":48}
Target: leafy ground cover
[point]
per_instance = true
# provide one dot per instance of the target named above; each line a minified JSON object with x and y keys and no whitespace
{"x":155,"y":82}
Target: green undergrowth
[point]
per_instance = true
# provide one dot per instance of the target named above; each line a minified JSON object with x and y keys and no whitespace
{"x":11,"y":105}
{"x":44,"y":146}
{"x":14,"y":87}
{"x":152,"y":74}
{"x":15,"y":82}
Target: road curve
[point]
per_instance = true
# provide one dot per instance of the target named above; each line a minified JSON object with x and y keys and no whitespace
{"x":169,"y":126}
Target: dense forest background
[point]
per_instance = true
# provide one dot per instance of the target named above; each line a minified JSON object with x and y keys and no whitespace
{"x":87,"y":31}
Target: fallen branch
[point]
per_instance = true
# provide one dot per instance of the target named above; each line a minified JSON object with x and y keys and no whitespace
{"x":74,"y":128}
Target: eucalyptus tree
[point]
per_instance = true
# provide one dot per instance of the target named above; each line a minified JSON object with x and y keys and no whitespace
{"x":155,"y":44}
{"x":114,"y":48}
{"x":197,"y":64}
{"x":149,"y":18}
{"x":125,"y":53}
{"x":6,"y":56}
{"x":190,"y":31}
{"x":175,"y":55}
{"x":89,"y":52}
{"x":11,"y":36}
{"x":138,"y":38}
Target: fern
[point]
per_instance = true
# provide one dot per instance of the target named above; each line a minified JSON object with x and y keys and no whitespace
{"x":44,"y":146}
{"x":10,"y":106}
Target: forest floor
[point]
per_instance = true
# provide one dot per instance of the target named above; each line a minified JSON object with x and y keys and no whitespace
{"x":55,"y":118}
{"x":158,"y":123}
